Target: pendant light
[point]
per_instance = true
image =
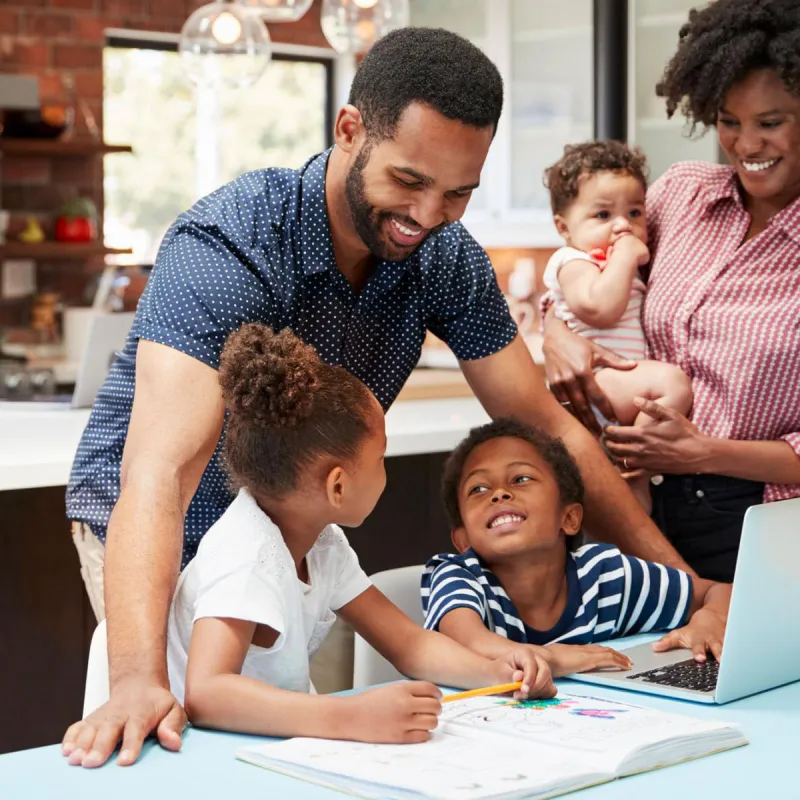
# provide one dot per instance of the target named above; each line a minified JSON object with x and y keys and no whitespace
{"x":278,"y":10}
{"x":353,"y":26}
{"x":223,"y":44}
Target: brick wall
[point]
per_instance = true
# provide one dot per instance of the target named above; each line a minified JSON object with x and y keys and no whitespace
{"x":54,"y":38}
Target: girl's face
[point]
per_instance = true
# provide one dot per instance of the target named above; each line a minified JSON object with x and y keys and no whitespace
{"x":366,"y":476}
{"x":510,"y":502}
{"x":759,"y":130}
{"x":608,"y":205}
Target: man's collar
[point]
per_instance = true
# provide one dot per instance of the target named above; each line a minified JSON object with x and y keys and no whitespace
{"x":315,"y":230}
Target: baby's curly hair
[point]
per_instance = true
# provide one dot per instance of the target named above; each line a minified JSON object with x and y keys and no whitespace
{"x":287,"y":409}
{"x":580,"y":161}
{"x":721,"y":44}
{"x":552,"y":450}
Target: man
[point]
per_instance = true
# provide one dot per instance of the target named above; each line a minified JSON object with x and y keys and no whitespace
{"x":358,"y":253}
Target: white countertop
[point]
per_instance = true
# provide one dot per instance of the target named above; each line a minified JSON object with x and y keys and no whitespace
{"x":37,"y":447}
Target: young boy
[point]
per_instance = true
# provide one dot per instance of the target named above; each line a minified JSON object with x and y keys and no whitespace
{"x":597,"y":194}
{"x":513,"y":495}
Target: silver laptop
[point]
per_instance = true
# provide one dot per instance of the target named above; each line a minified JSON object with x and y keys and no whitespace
{"x":762,"y":639}
{"x":105,"y":337}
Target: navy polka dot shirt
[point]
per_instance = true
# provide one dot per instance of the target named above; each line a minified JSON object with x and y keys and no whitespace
{"x":259,"y":249}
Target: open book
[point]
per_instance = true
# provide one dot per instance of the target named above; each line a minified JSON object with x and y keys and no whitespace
{"x":493,"y":747}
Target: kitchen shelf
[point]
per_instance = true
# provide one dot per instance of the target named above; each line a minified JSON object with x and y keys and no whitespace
{"x":58,"y":147}
{"x":44,"y":251}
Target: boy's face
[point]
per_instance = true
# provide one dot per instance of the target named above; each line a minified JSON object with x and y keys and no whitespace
{"x":510,"y":503}
{"x":608,"y":205}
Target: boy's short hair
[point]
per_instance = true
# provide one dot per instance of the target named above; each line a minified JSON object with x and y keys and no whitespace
{"x":563,"y":179}
{"x":552,"y":450}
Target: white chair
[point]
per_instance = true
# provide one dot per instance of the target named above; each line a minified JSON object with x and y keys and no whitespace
{"x":96,"y":691}
{"x":401,"y":586}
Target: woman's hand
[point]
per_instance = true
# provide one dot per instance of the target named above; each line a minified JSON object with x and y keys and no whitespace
{"x":570,"y":361}
{"x":671,"y":443}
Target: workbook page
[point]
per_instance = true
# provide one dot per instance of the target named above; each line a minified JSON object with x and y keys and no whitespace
{"x":612,"y":730}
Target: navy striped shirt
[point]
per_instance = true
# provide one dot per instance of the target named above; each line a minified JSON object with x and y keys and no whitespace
{"x":609,"y":595}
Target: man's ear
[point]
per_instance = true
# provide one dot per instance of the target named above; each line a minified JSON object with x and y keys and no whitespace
{"x":349,"y":132}
{"x":458,"y":536}
{"x":335,"y":486}
{"x":572,"y":520}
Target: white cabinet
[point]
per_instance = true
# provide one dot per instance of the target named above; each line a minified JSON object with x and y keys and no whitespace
{"x":544,"y":53}
{"x":652,"y":41}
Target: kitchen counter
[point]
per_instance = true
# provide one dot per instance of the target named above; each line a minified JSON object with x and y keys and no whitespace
{"x":37,"y":447}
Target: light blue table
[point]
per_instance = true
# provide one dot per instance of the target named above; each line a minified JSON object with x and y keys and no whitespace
{"x":206,"y":767}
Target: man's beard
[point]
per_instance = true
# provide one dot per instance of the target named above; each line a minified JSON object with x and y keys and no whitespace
{"x":369,"y":222}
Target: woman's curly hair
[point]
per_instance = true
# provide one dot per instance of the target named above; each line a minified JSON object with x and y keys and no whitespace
{"x":721,"y":44}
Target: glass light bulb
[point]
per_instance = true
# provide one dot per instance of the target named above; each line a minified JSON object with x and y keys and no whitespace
{"x":223,"y":44}
{"x":226,"y":29}
{"x":353,"y":26}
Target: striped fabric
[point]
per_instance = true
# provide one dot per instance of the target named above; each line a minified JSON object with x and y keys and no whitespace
{"x":609,"y":595}
{"x":725,"y":310}
{"x":627,"y":337}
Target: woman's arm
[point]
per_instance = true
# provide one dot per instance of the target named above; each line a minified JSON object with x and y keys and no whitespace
{"x":431,"y":656}
{"x":674,"y":445}
{"x":218,"y":696}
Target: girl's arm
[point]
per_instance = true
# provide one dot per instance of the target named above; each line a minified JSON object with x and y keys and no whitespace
{"x":432,"y":656}
{"x":218,"y":696}
{"x":599,"y":297}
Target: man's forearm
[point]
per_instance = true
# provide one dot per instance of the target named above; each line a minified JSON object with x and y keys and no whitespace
{"x":612,"y":513}
{"x":143,"y":552}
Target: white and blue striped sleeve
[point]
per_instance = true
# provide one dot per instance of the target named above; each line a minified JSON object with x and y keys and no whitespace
{"x":447,"y":587}
{"x":654,"y":597}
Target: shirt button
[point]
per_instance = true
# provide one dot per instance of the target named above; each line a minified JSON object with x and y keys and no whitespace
{"x":699,"y":493}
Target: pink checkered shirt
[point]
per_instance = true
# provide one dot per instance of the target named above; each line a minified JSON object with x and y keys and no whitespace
{"x":726,"y":312}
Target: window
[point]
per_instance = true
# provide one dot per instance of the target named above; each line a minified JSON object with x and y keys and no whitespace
{"x":187,"y":142}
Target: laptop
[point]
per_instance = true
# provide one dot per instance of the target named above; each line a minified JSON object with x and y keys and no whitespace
{"x":762,"y":638}
{"x":105,"y":337}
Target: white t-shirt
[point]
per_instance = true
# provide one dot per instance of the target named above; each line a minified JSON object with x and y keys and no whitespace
{"x":626,"y":338}
{"x":243,"y":570}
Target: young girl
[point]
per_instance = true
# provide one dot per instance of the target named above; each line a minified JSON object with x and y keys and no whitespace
{"x":305,"y":444}
{"x":597,"y":193}
{"x":514,"y":495}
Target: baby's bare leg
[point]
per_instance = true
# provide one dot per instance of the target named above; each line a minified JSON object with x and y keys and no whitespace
{"x":663,"y":383}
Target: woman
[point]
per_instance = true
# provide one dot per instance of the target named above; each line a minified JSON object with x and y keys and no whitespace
{"x":723,"y":298}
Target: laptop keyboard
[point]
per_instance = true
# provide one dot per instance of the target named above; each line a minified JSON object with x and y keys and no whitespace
{"x":689,"y":674}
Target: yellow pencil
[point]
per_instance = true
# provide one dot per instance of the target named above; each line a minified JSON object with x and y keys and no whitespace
{"x":503,"y":688}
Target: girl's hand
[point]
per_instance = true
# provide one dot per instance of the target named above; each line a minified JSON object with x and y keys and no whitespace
{"x":401,"y":713}
{"x":570,"y":361}
{"x":567,"y":659}
{"x":671,"y":443}
{"x":524,"y":664}
{"x":704,"y":633}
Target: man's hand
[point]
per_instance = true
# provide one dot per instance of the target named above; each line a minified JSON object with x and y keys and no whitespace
{"x":705,"y":632}
{"x":135,"y":710}
{"x":567,"y":659}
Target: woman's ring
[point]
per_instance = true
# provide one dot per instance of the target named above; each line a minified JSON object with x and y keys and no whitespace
{"x":625,"y":464}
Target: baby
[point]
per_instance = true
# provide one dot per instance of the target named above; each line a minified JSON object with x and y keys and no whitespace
{"x":514,"y":498}
{"x":597,"y":193}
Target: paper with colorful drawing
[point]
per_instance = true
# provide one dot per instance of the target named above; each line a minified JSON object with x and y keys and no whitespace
{"x":493,"y":747}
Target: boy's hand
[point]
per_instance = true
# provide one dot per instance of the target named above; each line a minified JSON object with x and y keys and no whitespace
{"x":525,"y":664}
{"x":705,"y":632}
{"x":566,"y":659}
{"x":400,"y":713}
